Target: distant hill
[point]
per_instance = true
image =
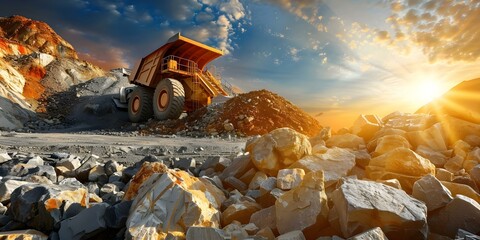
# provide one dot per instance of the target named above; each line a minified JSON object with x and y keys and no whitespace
{"x":462,"y":101}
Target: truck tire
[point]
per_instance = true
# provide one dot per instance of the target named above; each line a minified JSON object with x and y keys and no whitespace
{"x":169,"y":99}
{"x":140,"y":104}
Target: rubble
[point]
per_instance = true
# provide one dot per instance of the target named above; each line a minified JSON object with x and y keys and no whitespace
{"x":432,"y":192}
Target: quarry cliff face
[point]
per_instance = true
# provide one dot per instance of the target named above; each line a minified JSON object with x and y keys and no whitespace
{"x":35,"y":62}
{"x":35,"y":36}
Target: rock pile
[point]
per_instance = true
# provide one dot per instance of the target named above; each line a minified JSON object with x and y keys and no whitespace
{"x":285,"y":185}
{"x":253,"y":113}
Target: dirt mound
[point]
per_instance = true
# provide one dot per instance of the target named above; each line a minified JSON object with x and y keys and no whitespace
{"x":248,"y":114}
{"x":260,"y":112}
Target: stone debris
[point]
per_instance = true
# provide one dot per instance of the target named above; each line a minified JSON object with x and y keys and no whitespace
{"x":368,"y":182}
{"x":360,"y":208}
{"x":30,"y":234}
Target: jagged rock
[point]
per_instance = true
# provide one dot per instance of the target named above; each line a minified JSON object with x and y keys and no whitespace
{"x":4,"y":157}
{"x":84,"y":225}
{"x":437,"y":158}
{"x":116,"y":215}
{"x":268,"y":199}
{"x":257,"y":179}
{"x":109,"y":188}
{"x":8,"y":186}
{"x":362,"y":205}
{"x":347,"y":140}
{"x":362,"y":158}
{"x":402,"y":164}
{"x":278,"y":149}
{"x":35,"y":161}
{"x":293,"y":235}
{"x":29,"y":234}
{"x":170,"y":203}
{"x":372,"y":234}
{"x":185,"y":163}
{"x":454,"y":164}
{"x":464,"y":235}
{"x":240,"y":211}
{"x":366,"y":126}
{"x":238,"y":167}
{"x":83,"y":171}
{"x":431,"y":191}
{"x":289,"y":178}
{"x":457,"y":188}
{"x":475,"y":174}
{"x":52,"y":203}
{"x":201,"y":233}
{"x":335,"y":164}
{"x":387,"y":143}
{"x":268,"y":185}
{"x":265,"y":218}
{"x":59,"y":155}
{"x":391,"y":182}
{"x":147,"y":169}
{"x":112,"y":167}
{"x":431,"y":137}
{"x":235,"y":231}
{"x":462,"y":212}
{"x":235,"y":183}
{"x":266,"y":234}
{"x":115,"y":177}
{"x":97,"y":174}
{"x":443,"y":175}
{"x":303,"y":208}
{"x":250,"y":228}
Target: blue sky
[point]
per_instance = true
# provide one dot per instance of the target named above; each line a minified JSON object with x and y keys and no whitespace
{"x":336,"y":57}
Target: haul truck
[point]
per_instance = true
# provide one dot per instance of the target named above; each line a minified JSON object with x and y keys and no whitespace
{"x":171,"y":80}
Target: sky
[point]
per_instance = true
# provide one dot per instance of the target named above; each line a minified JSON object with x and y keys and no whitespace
{"x":336,"y":59}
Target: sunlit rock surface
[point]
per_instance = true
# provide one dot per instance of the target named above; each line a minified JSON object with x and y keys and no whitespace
{"x":362,"y":205}
{"x":278,"y":150}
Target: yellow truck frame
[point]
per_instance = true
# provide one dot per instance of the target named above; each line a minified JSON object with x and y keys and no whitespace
{"x":171,"y":80}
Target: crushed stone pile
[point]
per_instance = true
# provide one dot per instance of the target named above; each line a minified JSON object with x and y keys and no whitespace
{"x":405,"y":176}
{"x":253,"y":113}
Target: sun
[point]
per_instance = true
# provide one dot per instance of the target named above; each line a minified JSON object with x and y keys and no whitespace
{"x":427,"y":91}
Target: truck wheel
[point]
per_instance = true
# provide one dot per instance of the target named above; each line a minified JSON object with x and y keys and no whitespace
{"x":169,"y":99}
{"x":140,"y":104}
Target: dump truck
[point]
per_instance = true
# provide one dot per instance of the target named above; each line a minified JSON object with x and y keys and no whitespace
{"x":171,"y":80}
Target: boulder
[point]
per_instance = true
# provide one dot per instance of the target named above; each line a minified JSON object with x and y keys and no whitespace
{"x":237,"y":167}
{"x":432,"y":138}
{"x":432,"y":192}
{"x":335,"y":164}
{"x":462,"y":189}
{"x":366,"y":126}
{"x":362,"y":205}
{"x":475,"y":174}
{"x":293,"y":235}
{"x":443,"y":175}
{"x":112,"y":167}
{"x":52,"y":204}
{"x":402,"y":164}
{"x":278,"y":150}
{"x":264,"y":218}
{"x":266,"y":234}
{"x":437,"y":158}
{"x":97,"y":174}
{"x":8,"y":186}
{"x":201,"y":233}
{"x":240,"y":211}
{"x":4,"y":157}
{"x":29,"y":234}
{"x":347,"y":140}
{"x":84,"y":225}
{"x":257,"y":179}
{"x":147,"y":169}
{"x":171,"y":202}
{"x":387,"y":143}
{"x":407,"y":121}
{"x":372,"y":144}
{"x":289,"y":178}
{"x":303,"y":208}
{"x":461,"y":213}
{"x":372,"y":234}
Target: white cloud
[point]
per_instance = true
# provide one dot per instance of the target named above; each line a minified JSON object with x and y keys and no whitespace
{"x":233,"y":8}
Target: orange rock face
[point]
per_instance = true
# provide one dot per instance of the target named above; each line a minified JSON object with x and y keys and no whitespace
{"x":143,"y":174}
